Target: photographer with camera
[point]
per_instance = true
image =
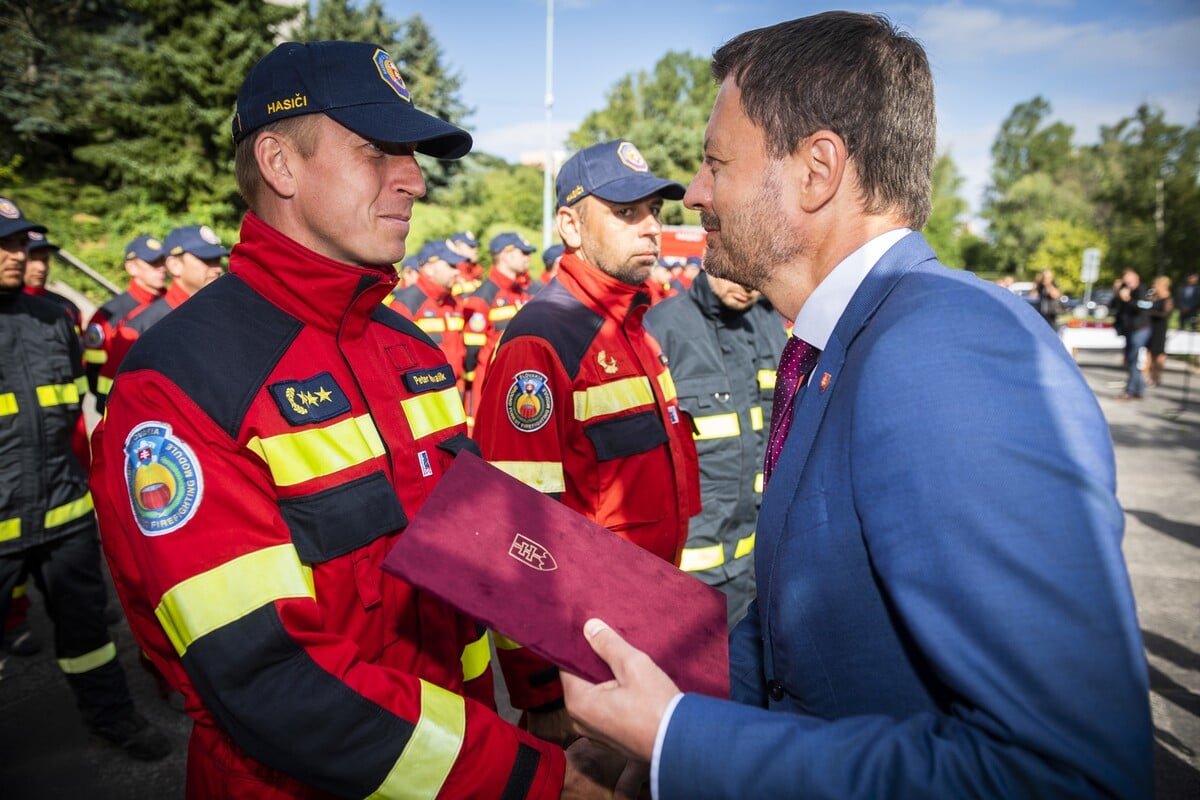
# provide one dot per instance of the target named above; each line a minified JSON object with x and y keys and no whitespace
{"x":1132,"y":320}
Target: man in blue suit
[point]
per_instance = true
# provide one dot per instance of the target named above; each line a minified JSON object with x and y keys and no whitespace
{"x":943,"y":609}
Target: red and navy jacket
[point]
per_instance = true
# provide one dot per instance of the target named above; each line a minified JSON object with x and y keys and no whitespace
{"x":264,"y":447}
{"x":122,"y":337}
{"x":438,"y":313}
{"x":98,"y":334}
{"x":579,"y":403}
{"x":488,"y":311}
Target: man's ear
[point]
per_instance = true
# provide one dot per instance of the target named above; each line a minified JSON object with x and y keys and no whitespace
{"x":275,"y":156}
{"x":567,"y":222}
{"x":823,"y":156}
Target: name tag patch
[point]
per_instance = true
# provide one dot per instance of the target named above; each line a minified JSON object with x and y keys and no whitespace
{"x":428,"y":380}
{"x":313,"y":400}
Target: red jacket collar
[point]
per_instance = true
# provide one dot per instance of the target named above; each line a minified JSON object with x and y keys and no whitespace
{"x":601,"y":291}
{"x":36,"y":291}
{"x":432,"y":290}
{"x":175,"y":295}
{"x":310,"y":287}
{"x":517,"y":284}
{"x":143,"y":295}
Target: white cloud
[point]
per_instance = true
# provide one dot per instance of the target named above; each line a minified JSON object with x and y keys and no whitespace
{"x":510,"y":141}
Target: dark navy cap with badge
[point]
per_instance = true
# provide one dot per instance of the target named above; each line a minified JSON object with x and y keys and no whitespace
{"x":614,"y":171}
{"x":437,"y":248}
{"x":353,"y":83}
{"x":13,"y":221}
{"x":503,"y":241}
{"x":552,"y":254}
{"x":38,"y":241}
{"x":464,"y":237}
{"x":199,"y":240}
{"x":147,"y":248}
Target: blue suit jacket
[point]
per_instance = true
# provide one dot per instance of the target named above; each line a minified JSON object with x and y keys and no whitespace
{"x":943,"y":608}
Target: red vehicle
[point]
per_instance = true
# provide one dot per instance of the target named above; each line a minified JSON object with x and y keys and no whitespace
{"x":681,"y":241}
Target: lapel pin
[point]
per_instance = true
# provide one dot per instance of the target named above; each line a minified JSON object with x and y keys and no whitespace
{"x":825,"y":378}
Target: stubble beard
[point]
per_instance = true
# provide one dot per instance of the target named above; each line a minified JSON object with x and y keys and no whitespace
{"x":749,"y":247}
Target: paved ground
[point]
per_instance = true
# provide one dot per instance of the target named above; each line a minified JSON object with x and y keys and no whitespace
{"x":45,"y":752}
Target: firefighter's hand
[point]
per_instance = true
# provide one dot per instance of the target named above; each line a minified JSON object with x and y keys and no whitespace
{"x":623,"y":713}
{"x":593,"y":770}
{"x":551,"y":726}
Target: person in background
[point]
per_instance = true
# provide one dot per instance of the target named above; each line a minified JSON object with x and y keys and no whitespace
{"x":37,"y":275}
{"x":578,"y":402}
{"x":916,"y":633}
{"x":722,"y":342}
{"x":1131,"y":319}
{"x":466,"y":246}
{"x":47,"y":527}
{"x":145,"y":261}
{"x":1045,"y":295}
{"x":194,"y":260}
{"x":1187,"y":300}
{"x":551,"y":257}
{"x":265,"y":446}
{"x":1161,"y":308}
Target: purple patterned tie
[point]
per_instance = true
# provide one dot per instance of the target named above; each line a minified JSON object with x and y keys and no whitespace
{"x":798,"y":359}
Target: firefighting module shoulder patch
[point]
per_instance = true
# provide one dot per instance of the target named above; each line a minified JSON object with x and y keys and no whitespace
{"x":163,"y":478}
{"x":315,"y":399}
{"x":529,"y":402}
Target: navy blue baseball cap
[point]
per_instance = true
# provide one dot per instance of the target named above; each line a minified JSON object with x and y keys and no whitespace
{"x":354,"y":83}
{"x":503,"y":241}
{"x":437,"y":248}
{"x":147,"y":248}
{"x":694,"y":261}
{"x":199,"y":240}
{"x":614,"y":171}
{"x":465,"y":237}
{"x":410,"y":262}
{"x":13,"y":221}
{"x":38,"y":241}
{"x":552,"y":254}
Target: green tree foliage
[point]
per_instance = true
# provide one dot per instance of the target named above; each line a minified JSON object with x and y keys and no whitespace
{"x":944,"y":228}
{"x":663,"y":112}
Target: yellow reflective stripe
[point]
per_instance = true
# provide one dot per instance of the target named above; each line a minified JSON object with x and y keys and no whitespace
{"x":475,"y":658}
{"x":545,"y":476}
{"x":766,"y":379}
{"x":95,"y":356}
{"x":609,"y":398}
{"x":57,"y":394}
{"x":10,"y":529}
{"x":474,"y":339}
{"x":433,"y":411}
{"x":226,"y":593}
{"x":8,"y":404}
{"x":432,"y":749}
{"x":505,"y":643}
{"x":81,"y":385}
{"x":19,"y":590}
{"x":456,"y":323}
{"x":387,"y":301}
{"x":103,"y":385}
{"x":717,"y":426}
{"x":501,"y":313}
{"x":88,"y":661}
{"x":431,"y":324}
{"x":667,"y":384}
{"x":758,"y":482}
{"x":744,"y":547}
{"x":756,"y":418}
{"x":695,"y":559}
{"x":69,"y":511}
{"x":304,"y":455}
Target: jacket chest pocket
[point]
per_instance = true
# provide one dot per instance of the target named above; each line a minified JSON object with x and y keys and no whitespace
{"x":710,"y":401}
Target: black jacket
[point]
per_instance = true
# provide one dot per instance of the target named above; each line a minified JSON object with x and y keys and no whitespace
{"x":43,"y":487}
{"x":723,"y":365}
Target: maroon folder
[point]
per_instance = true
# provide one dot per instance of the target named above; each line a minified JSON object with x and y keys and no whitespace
{"x":534,"y":570}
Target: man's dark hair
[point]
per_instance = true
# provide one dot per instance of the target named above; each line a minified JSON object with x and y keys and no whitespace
{"x":856,"y":75}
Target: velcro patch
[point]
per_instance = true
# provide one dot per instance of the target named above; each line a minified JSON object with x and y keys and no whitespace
{"x":428,"y":380}
{"x":313,"y":400}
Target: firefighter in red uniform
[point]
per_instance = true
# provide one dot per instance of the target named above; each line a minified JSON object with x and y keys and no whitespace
{"x":266,"y":444}
{"x":551,"y":257}
{"x":37,"y":274}
{"x":433,"y":306}
{"x":470,"y":270}
{"x":194,"y":256}
{"x":145,"y":261}
{"x":578,"y":402}
{"x":489,"y":308}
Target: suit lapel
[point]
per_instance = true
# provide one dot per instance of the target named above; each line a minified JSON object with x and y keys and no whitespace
{"x":812,"y":402}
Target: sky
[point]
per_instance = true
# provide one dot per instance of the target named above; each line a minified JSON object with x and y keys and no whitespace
{"x":1095,"y":61}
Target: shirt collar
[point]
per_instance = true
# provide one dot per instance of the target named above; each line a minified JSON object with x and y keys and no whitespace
{"x":820,"y":313}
